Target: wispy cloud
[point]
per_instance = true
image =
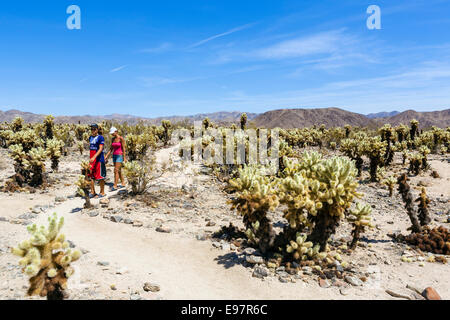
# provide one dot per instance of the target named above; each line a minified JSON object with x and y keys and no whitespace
{"x":321,"y":43}
{"x":118,"y":68}
{"x":163,"y":47}
{"x":246,"y":26}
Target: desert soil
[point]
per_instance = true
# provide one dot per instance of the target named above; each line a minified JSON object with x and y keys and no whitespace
{"x":165,"y":239}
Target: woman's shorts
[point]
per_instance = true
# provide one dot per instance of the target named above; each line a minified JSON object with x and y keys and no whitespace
{"x":117,"y":158}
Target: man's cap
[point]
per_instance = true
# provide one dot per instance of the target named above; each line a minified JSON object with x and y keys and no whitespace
{"x":113,"y":129}
{"x":94,"y":126}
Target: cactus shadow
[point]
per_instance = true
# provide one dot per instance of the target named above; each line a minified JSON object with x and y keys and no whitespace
{"x":367,"y":240}
{"x":229,"y":260}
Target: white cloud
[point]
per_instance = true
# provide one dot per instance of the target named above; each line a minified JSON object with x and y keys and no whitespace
{"x":220,"y":35}
{"x":163,"y":47}
{"x":321,"y":43}
{"x":118,"y":69}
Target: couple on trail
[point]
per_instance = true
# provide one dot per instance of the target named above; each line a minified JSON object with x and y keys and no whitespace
{"x":98,"y":160}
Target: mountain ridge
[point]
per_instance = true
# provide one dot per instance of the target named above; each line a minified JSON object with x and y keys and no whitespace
{"x":283,"y":118}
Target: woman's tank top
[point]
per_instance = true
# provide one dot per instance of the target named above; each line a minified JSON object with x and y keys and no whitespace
{"x":117,"y":147}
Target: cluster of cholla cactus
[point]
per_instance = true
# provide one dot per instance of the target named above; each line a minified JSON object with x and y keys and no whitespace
{"x":317,"y":194}
{"x":46,"y":259}
{"x":138,"y":145}
{"x":436,"y":240}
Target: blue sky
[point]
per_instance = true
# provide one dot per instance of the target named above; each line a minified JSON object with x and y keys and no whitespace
{"x":160,"y":58}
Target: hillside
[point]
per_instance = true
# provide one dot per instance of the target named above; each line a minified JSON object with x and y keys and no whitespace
{"x":292,"y":118}
{"x":426,"y":119}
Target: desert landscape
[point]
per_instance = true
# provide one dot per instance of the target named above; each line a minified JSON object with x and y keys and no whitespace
{"x":358,"y":209}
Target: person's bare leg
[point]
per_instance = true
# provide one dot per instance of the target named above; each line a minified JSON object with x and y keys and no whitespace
{"x":121,"y":175}
{"x":102,"y":187}
{"x":116,"y":174}
{"x":92,"y":186}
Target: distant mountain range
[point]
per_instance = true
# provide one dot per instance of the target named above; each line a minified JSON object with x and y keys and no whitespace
{"x":382,"y":114}
{"x":283,"y":118}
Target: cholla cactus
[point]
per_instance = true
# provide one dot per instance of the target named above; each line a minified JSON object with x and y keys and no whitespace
{"x":405,"y":190}
{"x":256,"y":195}
{"x":354,"y":149}
{"x":444,"y":150}
{"x":84,"y":182}
{"x":424,"y":151}
{"x":243,"y":121}
{"x":387,"y":134}
{"x":374,"y":148}
{"x":17,"y":124}
{"x":36,"y":161}
{"x":423,"y":214}
{"x":46,"y":259}
{"x":390,"y":183}
{"x":138,"y":176}
{"x":54,"y":147}
{"x":48,"y":122}
{"x":414,"y":129}
{"x":80,"y":146}
{"x":166,"y":133}
{"x":360,"y":218}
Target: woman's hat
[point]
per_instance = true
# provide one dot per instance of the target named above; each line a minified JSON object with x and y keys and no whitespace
{"x":113,"y":129}
{"x":94,"y":126}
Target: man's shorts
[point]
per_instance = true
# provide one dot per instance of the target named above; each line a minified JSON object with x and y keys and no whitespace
{"x":98,"y":171}
{"x":117,"y":158}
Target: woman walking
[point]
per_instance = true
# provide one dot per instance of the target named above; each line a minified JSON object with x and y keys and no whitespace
{"x":118,"y":151}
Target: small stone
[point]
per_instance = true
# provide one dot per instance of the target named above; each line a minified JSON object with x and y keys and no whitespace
{"x":163,"y":229}
{"x":103,"y":263}
{"x":324,"y":283}
{"x":152,"y":287}
{"x":225,"y":246}
{"x":210,"y":224}
{"x":116,"y":218}
{"x":128,"y":221}
{"x":249,"y":251}
{"x":254,"y":259}
{"x":431,"y":294}
{"x":260,"y":272}
{"x":113,"y":287}
{"x":3,"y":219}
{"x":60,"y":199}
{"x":137,"y":224}
{"x":216,"y":244}
{"x":93,"y":214}
{"x":343,"y":291}
{"x":104,"y":201}
{"x":135,"y":297}
{"x":283,"y":279}
{"x":353,"y":281}
{"x":200,"y":237}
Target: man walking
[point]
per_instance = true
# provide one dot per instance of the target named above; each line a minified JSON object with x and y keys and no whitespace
{"x":97,"y":161}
